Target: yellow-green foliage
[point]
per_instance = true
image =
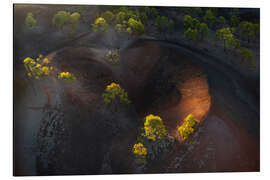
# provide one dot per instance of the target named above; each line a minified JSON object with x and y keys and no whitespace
{"x":194,"y":29}
{"x":191,"y":34}
{"x":121,"y":16}
{"x":164,"y":24}
{"x":108,"y":16}
{"x":61,"y":18}
{"x":247,"y":30}
{"x":135,"y":26}
{"x":30,"y":20}
{"x":247,"y":55}
{"x":187,"y":127}
{"x":67,"y":77}
{"x":226,"y":34}
{"x":119,"y":28}
{"x":113,"y":91}
{"x":40,"y":68}
{"x":100,"y":25}
{"x":190,"y":22}
{"x":209,"y":18}
{"x":36,"y":68}
{"x":74,"y":18}
{"x":112,"y":57}
{"x":139,"y":150}
{"x":154,"y":128}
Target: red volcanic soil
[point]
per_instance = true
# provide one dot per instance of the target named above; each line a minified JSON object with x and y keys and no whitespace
{"x":191,"y":83}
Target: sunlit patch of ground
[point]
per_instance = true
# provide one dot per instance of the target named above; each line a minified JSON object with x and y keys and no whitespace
{"x":195,"y":99}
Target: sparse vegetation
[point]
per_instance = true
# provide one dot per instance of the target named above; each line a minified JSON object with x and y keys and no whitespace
{"x":37,"y":68}
{"x":40,"y":68}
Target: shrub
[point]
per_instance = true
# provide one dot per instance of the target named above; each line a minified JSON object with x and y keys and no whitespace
{"x":139,"y":150}
{"x":67,"y":77}
{"x":154,"y":128}
{"x":187,"y":127}
{"x":113,"y":91}
{"x":100,"y":25}
{"x":36,"y":68}
{"x":30,"y":20}
{"x":112,"y":57}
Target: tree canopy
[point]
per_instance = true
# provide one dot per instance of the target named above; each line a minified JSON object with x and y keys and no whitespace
{"x":61,"y":18}
{"x":164,"y":24}
{"x":135,"y":27}
{"x":154,"y":128}
{"x":30,"y":21}
{"x":209,"y":18}
{"x":247,"y":30}
{"x":100,"y":25}
{"x":114,"y":91}
{"x":187,"y":127}
{"x":228,"y":38}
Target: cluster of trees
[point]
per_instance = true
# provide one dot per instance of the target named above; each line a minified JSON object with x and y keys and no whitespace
{"x":230,"y":33}
{"x":62,"y":18}
{"x":153,"y":130}
{"x":248,"y":30}
{"x":228,"y":38}
{"x":122,"y":20}
{"x":39,"y":68}
{"x":194,"y":29}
